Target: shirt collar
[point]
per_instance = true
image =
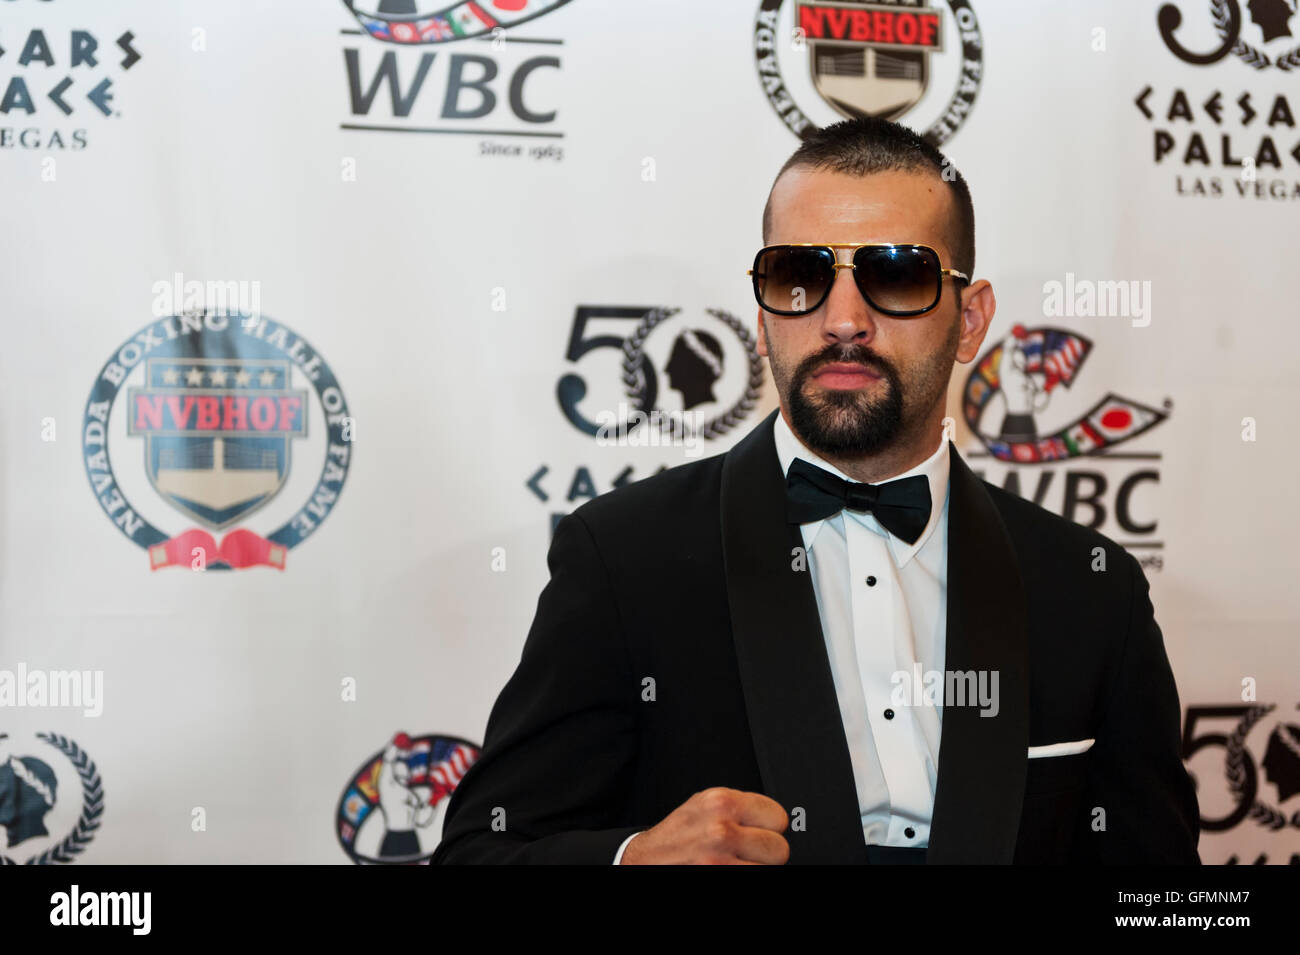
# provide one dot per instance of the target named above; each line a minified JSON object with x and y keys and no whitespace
{"x":934,"y":468}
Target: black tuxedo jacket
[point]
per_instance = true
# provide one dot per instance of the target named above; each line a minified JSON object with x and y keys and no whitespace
{"x":677,"y":648}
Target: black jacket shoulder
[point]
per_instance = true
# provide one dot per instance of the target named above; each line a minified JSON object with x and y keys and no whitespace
{"x":1051,"y":535}
{"x":687,"y":492}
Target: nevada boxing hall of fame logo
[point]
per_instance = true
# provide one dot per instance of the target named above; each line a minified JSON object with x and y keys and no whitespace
{"x":392,"y":809}
{"x":51,"y":799}
{"x":195,"y":463}
{"x":662,"y":378}
{"x":1070,"y":467}
{"x":913,"y":62}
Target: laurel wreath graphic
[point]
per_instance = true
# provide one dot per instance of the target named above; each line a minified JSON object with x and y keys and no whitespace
{"x":1261,"y":812}
{"x":634,"y":369}
{"x":92,"y":806}
{"x":1250,"y":55}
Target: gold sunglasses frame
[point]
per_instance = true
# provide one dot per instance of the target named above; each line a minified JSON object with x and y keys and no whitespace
{"x":855,"y":246}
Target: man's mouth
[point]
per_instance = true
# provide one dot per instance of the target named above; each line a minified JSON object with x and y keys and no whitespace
{"x":844,"y":375}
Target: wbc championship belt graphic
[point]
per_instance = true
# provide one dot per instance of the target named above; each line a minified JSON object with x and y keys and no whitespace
{"x":1025,"y":370}
{"x":422,"y":22}
{"x":216,"y":408}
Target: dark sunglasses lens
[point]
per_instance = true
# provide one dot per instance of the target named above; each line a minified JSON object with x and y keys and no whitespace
{"x":900,"y":279}
{"x":793,"y":278}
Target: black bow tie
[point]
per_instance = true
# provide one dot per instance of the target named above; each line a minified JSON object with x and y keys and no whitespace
{"x":901,"y":507}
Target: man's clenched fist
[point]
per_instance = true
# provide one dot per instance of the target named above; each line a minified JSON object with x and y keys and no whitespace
{"x":715,"y":827}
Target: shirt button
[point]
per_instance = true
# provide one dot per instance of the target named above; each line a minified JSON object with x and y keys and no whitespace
{"x":889,"y":714}
{"x":871,"y":581}
{"x":909,"y":832}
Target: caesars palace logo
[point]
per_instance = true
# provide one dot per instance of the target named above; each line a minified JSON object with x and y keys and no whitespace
{"x":821,"y":60}
{"x":60,"y":81}
{"x":1237,"y":138}
{"x":192,"y":429}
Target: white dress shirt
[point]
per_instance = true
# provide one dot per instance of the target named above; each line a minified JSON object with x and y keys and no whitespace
{"x":883,"y":608}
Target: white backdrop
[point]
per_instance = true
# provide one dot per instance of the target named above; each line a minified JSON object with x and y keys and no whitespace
{"x":449,"y":286}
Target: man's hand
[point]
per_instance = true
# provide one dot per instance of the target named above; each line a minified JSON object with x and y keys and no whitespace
{"x":715,"y":827}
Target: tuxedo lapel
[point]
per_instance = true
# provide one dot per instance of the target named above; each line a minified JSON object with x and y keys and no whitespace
{"x":794,"y":714}
{"x":981,"y":773}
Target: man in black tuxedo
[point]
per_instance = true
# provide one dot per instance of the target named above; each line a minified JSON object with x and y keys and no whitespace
{"x":727,"y":663}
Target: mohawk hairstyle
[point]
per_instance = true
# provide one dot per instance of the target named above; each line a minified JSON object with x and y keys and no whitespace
{"x":860,"y":147}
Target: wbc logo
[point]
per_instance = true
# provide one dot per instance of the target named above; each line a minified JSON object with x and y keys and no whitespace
{"x":1053,"y":442}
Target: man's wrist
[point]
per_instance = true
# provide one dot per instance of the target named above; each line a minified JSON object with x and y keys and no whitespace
{"x":618,"y":857}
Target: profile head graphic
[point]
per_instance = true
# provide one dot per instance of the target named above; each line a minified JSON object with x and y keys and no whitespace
{"x":28,"y":791}
{"x":1273,"y":17}
{"x":1281,"y":760}
{"x":694,"y":365}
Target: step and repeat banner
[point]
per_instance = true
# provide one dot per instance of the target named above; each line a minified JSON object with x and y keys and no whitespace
{"x":319,"y":314}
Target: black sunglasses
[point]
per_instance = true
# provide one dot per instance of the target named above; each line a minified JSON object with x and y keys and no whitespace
{"x":897,"y":280}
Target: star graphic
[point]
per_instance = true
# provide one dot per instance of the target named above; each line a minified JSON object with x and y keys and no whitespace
{"x":267,"y":378}
{"x":218,"y":377}
{"x":170,"y":376}
{"x":194,"y":377}
{"x":242,"y":378}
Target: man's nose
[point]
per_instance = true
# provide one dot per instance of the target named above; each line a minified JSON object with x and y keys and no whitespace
{"x":846,"y":316}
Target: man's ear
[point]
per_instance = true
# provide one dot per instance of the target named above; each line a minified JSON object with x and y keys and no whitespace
{"x":762,"y":335}
{"x":978,"y":306}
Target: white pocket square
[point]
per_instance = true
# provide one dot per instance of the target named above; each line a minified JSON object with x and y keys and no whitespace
{"x":1061,"y":749}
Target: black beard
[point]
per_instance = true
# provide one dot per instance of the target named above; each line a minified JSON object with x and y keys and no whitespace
{"x":847,"y":424}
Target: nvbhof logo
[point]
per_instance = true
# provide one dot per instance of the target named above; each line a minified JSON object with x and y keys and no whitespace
{"x":215,"y":409}
{"x":51,"y":799}
{"x":392,"y":809}
{"x":406,"y":21}
{"x":821,"y":60}
{"x":1025,"y":370}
